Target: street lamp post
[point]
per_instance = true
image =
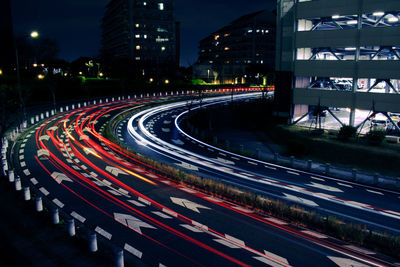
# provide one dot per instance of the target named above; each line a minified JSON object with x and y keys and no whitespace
{"x":34,"y":34}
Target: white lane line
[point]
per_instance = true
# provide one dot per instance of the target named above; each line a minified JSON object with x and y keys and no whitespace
{"x":23,"y":164}
{"x":222,"y":154}
{"x":318,"y":179}
{"x":44,"y":191}
{"x":123,"y":191}
{"x":243,"y":209}
{"x":276,"y":257}
{"x":133,"y":251}
{"x":374,"y":192}
{"x":103,"y":232}
{"x":107,"y":183}
{"x":170,"y":212}
{"x":325,"y":187}
{"x":162,"y":215}
{"x":345,"y":185}
{"x":78,"y":217}
{"x":148,"y":203}
{"x":21,"y":157}
{"x":212,"y":199}
{"x":114,"y":192}
{"x":191,"y":228}
{"x":58,"y":203}
{"x":134,"y":202}
{"x":268,"y":261}
{"x":202,"y":226}
{"x":314,"y":234}
{"x":363,"y":251}
{"x":23,"y":145}
{"x":26,"y":172}
{"x":188,"y":190}
{"x":294,"y":173}
{"x":277,"y":221}
{"x":269,"y":167}
{"x":301,"y":200}
{"x":253,"y":163}
{"x":21,"y":151}
{"x":235,"y":240}
{"x":34,"y":181}
{"x":226,"y":243}
{"x":235,"y":158}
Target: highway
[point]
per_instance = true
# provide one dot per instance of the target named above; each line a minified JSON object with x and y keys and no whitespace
{"x":161,"y":223}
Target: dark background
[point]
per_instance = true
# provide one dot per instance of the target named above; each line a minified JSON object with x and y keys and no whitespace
{"x":75,"y":24}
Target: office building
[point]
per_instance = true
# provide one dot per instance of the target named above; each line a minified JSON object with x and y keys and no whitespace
{"x":143,"y":33}
{"x":338,"y":55}
{"x":240,"y":52}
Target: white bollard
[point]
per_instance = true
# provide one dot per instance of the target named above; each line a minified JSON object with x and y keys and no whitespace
{"x":100,"y":101}
{"x":37,"y":118}
{"x":106,"y":100}
{"x":52,"y":112}
{"x":39,"y":204}
{"x":27,"y":193}
{"x":66,"y":108}
{"x":119,"y":258}
{"x":55,"y":216}
{"x":17,"y":184}
{"x":47,"y":114}
{"x":85,"y":104}
{"x":71,"y":227}
{"x":61,"y":109}
{"x":73,"y":106}
{"x":94,"y":102}
{"x":41,"y":116}
{"x":11,"y":176}
{"x":93,"y":242}
{"x":112,"y":99}
{"x":79,"y":105}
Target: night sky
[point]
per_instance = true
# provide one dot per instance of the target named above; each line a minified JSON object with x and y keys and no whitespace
{"x":75,"y":24}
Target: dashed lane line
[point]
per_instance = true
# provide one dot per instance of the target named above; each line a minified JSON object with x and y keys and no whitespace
{"x":78,"y":217}
{"x":103,"y":232}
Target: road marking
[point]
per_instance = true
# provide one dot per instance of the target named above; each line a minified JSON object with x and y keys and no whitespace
{"x":162,"y":215}
{"x":187,"y":166}
{"x":21,"y":151}
{"x":374,"y":192}
{"x":44,"y":137}
{"x":269,"y":167}
{"x":133,"y":251}
{"x":78,"y":217}
{"x":268,"y":261}
{"x":76,"y":168}
{"x":148,"y":203}
{"x":277,"y":221}
{"x":84,"y":137}
{"x":123,"y":191}
{"x":34,"y":181}
{"x":254,"y":163}
{"x":227,"y":243}
{"x":114,"y":192}
{"x":314,"y":234}
{"x":346,"y":185}
{"x":191,"y":228}
{"x":235,"y":158}
{"x":318,"y":179}
{"x":58,"y":203}
{"x":23,"y":145}
{"x":60,"y":177}
{"x":294,"y":173}
{"x":134,"y":202}
{"x":44,"y":191}
{"x":177,"y":142}
{"x":23,"y":164}
{"x":234,"y":239}
{"x":165,"y":130}
{"x":106,"y":182}
{"x":21,"y":157}
{"x":363,"y":251}
{"x":243,"y":209}
{"x":325,"y":187}
{"x":27,"y":172}
{"x":225,"y":161}
{"x":213,"y":199}
{"x":202,"y":226}
{"x":103,"y":232}
{"x":170,"y":212}
{"x":209,"y":149}
{"x":132,"y":222}
{"x":188,"y":204}
{"x":301,"y":200}
{"x":42,"y":152}
{"x":115,"y":171}
{"x":343,"y":262}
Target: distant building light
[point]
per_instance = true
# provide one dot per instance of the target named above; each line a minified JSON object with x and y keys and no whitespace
{"x":163,"y":48}
{"x":137,"y":58}
{"x":335,"y":16}
{"x":144,"y":3}
{"x":137,"y":25}
{"x":65,"y":74}
{"x":42,"y":65}
{"x":378,"y":14}
{"x":1,"y":72}
{"x":350,"y":49}
{"x":101,"y":74}
{"x":226,"y":34}
{"x":80,"y":73}
{"x":145,"y":36}
{"x":161,"y":6}
{"x":151,"y":80}
{"x":166,"y":81}
{"x":137,"y":35}
{"x":216,"y":37}
{"x":352,"y":22}
{"x":226,"y":48}
{"x":34,"y":65}
{"x":40,"y":76}
{"x":138,"y":47}
{"x":250,"y":31}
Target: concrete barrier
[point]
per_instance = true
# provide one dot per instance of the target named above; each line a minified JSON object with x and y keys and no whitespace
{"x":376,"y":178}
{"x":276,"y":157}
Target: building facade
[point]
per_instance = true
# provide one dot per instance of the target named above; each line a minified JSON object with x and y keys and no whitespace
{"x":338,"y":54}
{"x":143,"y":33}
{"x":239,"y":52}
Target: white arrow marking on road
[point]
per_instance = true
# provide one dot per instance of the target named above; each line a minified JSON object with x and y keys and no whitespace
{"x":225,"y":161}
{"x":83,"y":137}
{"x":187,"y":166}
{"x":43,"y":152}
{"x":343,"y":262}
{"x":115,"y":171}
{"x":132,"y":222}
{"x":188,"y":204}
{"x":44,"y":137}
{"x":177,"y":142}
{"x":301,"y":200}
{"x":60,"y":177}
{"x":325,"y":187}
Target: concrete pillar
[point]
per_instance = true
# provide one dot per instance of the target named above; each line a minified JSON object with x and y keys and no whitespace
{"x":100,"y":101}
{"x":84,"y":104}
{"x":258,"y":153}
{"x":25,"y":124}
{"x":106,"y":100}
{"x":112,"y":99}
{"x":119,"y":98}
{"x":55,"y":216}
{"x":52,"y":112}
{"x":73,"y":106}
{"x":11,"y":176}
{"x":79,"y":105}
{"x":27,"y":193}
{"x":39,"y":204}
{"x":71,"y":227}
{"x":93,"y":242}
{"x":17,"y":184}
{"x":119,"y":258}
{"x":94,"y":102}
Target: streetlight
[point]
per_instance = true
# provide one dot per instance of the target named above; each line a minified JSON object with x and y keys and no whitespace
{"x":34,"y":34}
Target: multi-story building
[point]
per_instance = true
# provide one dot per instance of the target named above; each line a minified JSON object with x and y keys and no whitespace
{"x":338,"y":54}
{"x":7,"y":52}
{"x":143,"y":33}
{"x":240,"y":52}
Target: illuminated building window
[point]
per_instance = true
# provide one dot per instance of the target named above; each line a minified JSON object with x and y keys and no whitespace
{"x":138,"y":47}
{"x":163,"y":48}
{"x":160,"y":6}
{"x":145,"y":36}
{"x":144,"y":3}
{"x":226,"y":48}
{"x":137,"y":35}
{"x":216,"y":37}
{"x":137,"y":58}
{"x":137,"y":25}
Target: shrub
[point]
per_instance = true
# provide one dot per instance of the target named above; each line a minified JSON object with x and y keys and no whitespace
{"x":375,"y":137}
{"x":346,"y":132}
